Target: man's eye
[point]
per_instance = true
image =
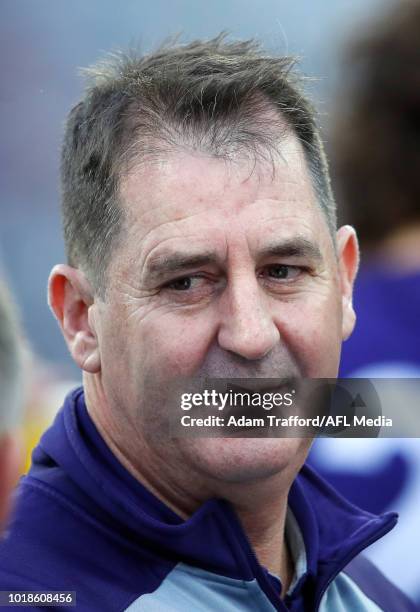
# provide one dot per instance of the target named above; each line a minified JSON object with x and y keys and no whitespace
{"x":180,"y":284}
{"x":282,"y":271}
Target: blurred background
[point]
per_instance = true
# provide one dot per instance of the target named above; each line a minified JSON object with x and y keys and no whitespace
{"x":363,"y":58}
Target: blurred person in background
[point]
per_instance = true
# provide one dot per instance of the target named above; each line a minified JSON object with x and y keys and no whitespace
{"x":375,"y":153}
{"x":11,"y":380}
{"x":30,"y":389}
{"x":376,"y":163}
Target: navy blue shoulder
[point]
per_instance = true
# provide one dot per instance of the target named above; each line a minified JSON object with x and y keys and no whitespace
{"x":377,"y":587}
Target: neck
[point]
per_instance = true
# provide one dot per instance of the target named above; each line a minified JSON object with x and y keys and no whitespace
{"x":266,"y":532}
{"x":261,"y":513}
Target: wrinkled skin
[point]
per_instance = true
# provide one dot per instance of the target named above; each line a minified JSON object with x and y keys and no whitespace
{"x":247,"y":308}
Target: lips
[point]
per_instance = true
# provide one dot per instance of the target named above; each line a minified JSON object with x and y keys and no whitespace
{"x":254,"y":391}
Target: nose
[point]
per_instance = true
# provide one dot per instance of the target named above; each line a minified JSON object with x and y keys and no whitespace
{"x":247,"y":327}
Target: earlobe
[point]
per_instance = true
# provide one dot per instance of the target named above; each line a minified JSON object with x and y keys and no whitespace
{"x":348,"y":262}
{"x":72,"y":302}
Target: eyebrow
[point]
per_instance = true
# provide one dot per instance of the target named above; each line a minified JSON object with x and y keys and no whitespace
{"x":163,"y":264}
{"x":169,"y":263}
{"x":298,"y":246}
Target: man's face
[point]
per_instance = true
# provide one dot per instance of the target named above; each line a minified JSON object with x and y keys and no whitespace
{"x":225,"y":269}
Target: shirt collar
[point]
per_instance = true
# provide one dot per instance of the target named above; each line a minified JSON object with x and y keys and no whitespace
{"x":324,"y":530}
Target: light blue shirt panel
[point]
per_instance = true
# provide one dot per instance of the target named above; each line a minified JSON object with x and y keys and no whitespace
{"x":343,"y":595}
{"x":191,"y":588}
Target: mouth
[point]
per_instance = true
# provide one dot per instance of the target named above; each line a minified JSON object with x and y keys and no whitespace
{"x":257,"y":385}
{"x":251,"y":383}
{"x":252,"y":395}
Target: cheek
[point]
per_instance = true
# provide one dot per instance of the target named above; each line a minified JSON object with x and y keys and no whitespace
{"x":312,"y":330}
{"x":176,"y":345}
{"x":115,"y":351}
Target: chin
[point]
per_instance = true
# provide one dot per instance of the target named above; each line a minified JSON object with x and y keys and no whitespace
{"x":242,"y":460}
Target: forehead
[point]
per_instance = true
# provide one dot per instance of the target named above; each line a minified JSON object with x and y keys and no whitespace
{"x":188,"y":196}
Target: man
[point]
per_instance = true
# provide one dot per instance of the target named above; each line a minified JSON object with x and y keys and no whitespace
{"x":200,"y":231}
{"x":10,"y":401}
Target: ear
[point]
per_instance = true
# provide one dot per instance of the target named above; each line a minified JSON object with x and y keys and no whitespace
{"x":10,"y":464}
{"x":72,"y":301}
{"x":348,"y":264}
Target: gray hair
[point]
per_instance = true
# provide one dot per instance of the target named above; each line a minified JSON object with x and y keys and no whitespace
{"x":214,"y":96}
{"x":11,"y":378}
